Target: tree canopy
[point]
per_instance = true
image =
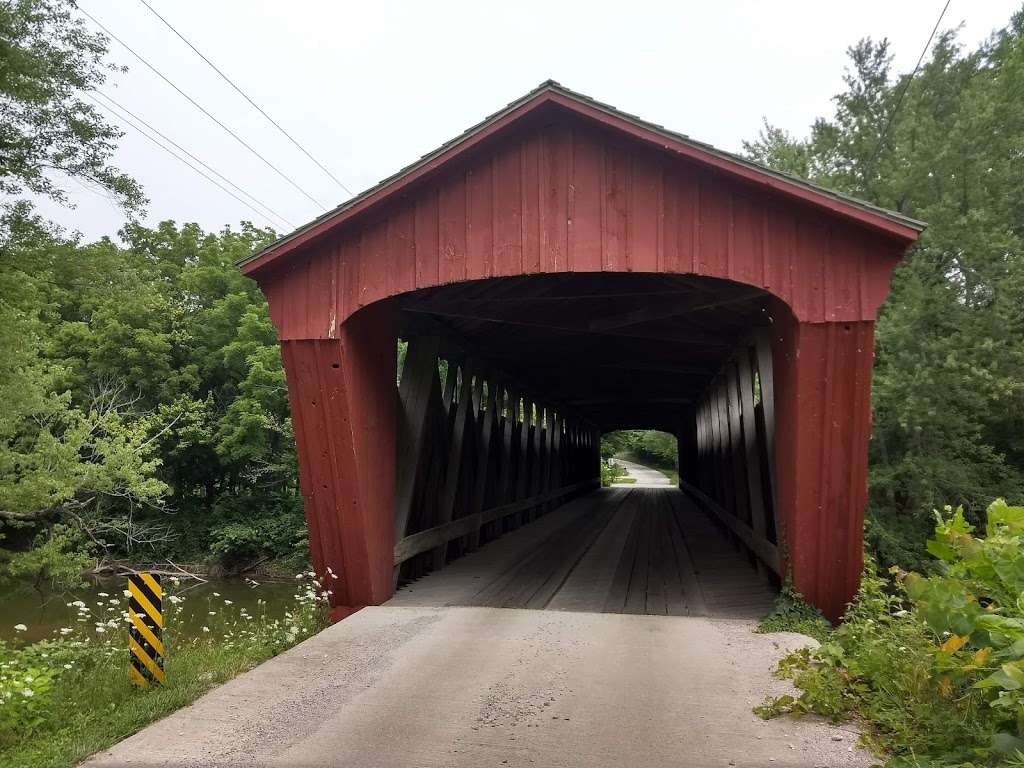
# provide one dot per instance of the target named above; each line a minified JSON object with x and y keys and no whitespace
{"x":948,"y":394}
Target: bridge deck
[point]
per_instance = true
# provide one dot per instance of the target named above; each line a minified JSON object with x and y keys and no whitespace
{"x":617,"y":550}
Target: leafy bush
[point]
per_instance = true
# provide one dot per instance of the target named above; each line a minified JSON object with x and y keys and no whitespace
{"x":791,"y":613}
{"x":611,"y":473}
{"x":934,"y":664}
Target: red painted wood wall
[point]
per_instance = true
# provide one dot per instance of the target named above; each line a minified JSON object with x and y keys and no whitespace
{"x":553,"y":193}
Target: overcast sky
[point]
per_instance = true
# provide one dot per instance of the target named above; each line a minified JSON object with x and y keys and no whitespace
{"x":369,"y":87}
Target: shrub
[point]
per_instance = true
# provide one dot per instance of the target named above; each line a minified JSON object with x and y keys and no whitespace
{"x":791,"y":613}
{"x":934,"y":664}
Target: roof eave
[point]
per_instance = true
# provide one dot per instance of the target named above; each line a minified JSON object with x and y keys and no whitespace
{"x":889,"y":222}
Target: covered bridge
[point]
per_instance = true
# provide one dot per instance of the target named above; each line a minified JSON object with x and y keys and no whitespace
{"x":560,"y":270}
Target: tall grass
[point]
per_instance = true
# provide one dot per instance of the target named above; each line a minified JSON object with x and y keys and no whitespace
{"x":66,"y":698}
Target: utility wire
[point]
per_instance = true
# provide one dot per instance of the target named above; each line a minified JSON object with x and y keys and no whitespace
{"x":202,"y":109}
{"x":213,"y":181}
{"x":906,"y":85}
{"x":246,"y":96}
{"x":205,"y":165}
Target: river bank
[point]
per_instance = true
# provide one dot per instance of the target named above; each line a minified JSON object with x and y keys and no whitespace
{"x":68,"y":694}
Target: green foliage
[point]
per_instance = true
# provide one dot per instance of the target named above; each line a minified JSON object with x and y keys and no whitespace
{"x":26,"y":687}
{"x":791,"y":613}
{"x":50,"y":58}
{"x":948,"y":393}
{"x":934,"y":664}
{"x":611,"y":473}
{"x":81,"y":699}
{"x":147,"y":400}
{"x":658,"y":449}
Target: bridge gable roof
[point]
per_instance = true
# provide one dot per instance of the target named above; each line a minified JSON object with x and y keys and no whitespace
{"x":551,"y":95}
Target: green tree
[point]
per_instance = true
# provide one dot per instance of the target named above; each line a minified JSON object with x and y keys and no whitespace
{"x":48,"y":132}
{"x":948,"y":391}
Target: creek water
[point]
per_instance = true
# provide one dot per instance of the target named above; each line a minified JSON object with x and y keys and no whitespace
{"x":45,"y":614}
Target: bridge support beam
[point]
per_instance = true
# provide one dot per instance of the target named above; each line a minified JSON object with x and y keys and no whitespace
{"x":823,"y":421}
{"x":342,"y":393}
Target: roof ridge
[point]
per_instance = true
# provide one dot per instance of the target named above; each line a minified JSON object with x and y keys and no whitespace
{"x":553,"y":86}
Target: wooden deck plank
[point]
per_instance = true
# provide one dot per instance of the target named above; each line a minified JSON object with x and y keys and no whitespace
{"x":638,"y":550}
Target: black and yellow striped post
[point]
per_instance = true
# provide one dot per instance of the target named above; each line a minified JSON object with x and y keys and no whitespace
{"x":145,"y":638}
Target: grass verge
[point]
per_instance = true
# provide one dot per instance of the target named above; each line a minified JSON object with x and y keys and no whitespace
{"x":64,"y":699}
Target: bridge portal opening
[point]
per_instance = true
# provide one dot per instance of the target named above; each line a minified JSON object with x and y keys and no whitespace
{"x":506,"y":388}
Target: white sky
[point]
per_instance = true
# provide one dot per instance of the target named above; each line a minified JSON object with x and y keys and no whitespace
{"x":369,"y":87}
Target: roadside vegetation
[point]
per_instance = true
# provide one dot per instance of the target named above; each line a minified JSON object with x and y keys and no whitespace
{"x":933,"y":665}
{"x":65,"y":698}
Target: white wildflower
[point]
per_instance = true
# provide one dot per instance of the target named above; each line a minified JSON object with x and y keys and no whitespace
{"x":125,"y":592}
{"x":100,"y":630}
{"x":216,"y":594}
{"x":227,"y":602}
{"x":66,"y":630}
{"x":103,"y":594}
{"x":68,"y":666}
{"x":175,"y":599}
{"x":20,"y":628}
{"x":28,"y":693}
{"x":206,"y":629}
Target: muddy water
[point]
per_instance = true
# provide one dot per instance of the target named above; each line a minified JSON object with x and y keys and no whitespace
{"x":45,"y":614}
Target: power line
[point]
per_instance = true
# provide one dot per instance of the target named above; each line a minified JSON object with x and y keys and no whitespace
{"x":179,"y":158}
{"x":205,"y":165}
{"x":906,"y":85}
{"x":202,"y":109}
{"x":246,"y":96}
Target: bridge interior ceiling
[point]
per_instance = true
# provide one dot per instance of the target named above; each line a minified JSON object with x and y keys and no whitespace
{"x":619,"y":350}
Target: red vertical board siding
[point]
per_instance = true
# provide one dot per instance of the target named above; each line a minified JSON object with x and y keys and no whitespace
{"x":342,"y":400}
{"x":555,"y":145}
{"x":452,"y":230}
{"x":401,"y":252}
{"x":507,"y":193}
{"x":349,"y":286}
{"x":714,"y":212}
{"x":426,"y":239}
{"x":586,"y":207}
{"x":617,"y":181}
{"x":809,"y":263}
{"x":823,"y":391}
{"x":560,"y":200}
{"x":530,"y":206}
{"x":479,"y":221}
{"x":369,"y":339}
{"x":319,"y":300}
{"x":373,"y":263}
{"x":746,"y":238}
{"x":645,"y":214}
{"x":779,"y":245}
{"x":681,"y":202}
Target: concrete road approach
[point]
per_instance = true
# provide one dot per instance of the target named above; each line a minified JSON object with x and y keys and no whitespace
{"x":645,"y":476}
{"x":462,"y":686}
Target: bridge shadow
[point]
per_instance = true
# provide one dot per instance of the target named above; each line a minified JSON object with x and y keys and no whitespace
{"x":615,"y":550}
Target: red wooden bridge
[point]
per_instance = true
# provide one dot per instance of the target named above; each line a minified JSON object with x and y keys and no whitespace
{"x":560,"y":270}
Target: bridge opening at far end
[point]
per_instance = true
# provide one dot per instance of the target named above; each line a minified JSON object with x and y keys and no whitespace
{"x":520,"y":398}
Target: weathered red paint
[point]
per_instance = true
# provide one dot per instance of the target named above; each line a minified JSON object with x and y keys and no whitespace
{"x":342,"y":394}
{"x":555,"y":186}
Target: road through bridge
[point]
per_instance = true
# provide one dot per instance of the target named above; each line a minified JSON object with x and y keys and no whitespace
{"x":613,"y":631}
{"x":558,"y":271}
